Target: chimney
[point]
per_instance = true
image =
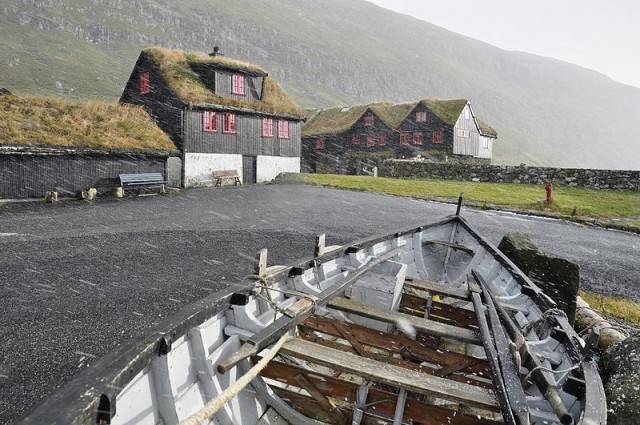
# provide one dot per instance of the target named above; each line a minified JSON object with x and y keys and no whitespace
{"x":216,"y":49}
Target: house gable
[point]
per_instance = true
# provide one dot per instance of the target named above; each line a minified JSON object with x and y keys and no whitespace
{"x":199,"y":79}
{"x":159,"y":100}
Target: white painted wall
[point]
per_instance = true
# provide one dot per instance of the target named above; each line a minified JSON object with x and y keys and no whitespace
{"x":268,"y":167}
{"x":485,"y":152}
{"x":198,"y":167}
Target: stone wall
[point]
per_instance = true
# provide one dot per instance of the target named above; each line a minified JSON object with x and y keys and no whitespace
{"x":588,"y":178}
{"x":31,"y":172}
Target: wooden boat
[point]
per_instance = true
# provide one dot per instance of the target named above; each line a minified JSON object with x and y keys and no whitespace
{"x":431,"y":325}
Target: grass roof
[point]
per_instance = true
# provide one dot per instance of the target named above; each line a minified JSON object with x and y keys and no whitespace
{"x":50,"y":122}
{"x":174,"y":66}
{"x":486,"y":130}
{"x":339,"y":119}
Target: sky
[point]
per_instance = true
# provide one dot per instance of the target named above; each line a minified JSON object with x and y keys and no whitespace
{"x":603,"y":35}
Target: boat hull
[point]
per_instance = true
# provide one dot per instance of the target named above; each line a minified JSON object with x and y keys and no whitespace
{"x":430,"y":324}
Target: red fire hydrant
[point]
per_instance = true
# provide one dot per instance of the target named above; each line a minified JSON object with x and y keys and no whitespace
{"x":549,"y":189}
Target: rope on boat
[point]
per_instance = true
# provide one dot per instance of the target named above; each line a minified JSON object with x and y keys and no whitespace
{"x":212,"y":407}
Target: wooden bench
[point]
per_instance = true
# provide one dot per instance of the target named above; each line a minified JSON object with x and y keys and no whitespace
{"x":221,"y":175}
{"x":142,"y":179}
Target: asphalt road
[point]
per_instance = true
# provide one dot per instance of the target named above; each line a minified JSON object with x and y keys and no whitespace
{"x":77,"y":278}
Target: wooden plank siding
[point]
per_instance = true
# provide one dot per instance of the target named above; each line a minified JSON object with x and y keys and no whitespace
{"x":247,"y":140}
{"x":466,"y":145}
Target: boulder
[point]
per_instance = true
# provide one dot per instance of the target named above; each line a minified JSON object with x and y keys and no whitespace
{"x":557,"y":277}
{"x":621,"y":378}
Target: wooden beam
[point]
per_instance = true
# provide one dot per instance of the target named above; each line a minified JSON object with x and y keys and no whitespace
{"x":424,"y":325}
{"x":378,"y":400}
{"x":390,"y":374}
{"x":439,"y":288}
{"x":451,"y":245}
{"x":400,"y":345}
{"x":322,"y":400}
{"x":396,"y":361}
{"x":439,"y":312}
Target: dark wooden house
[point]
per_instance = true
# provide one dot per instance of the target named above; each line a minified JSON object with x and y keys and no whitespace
{"x":446,"y":127}
{"x":221,"y":113}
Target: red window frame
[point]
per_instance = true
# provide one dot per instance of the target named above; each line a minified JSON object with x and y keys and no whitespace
{"x":319,"y":144}
{"x":418,"y":138}
{"x":283,"y":129}
{"x":371,"y":140}
{"x":421,"y":116}
{"x":229,"y":123}
{"x":267,"y":127}
{"x":368,"y":120}
{"x":437,"y":136}
{"x":210,"y":121}
{"x":239,"y":84}
{"x":404,"y":138}
{"x":355,"y":139}
{"x":144,"y":82}
{"x":382,"y":140}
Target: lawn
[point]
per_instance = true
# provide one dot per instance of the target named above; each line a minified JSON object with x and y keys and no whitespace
{"x":611,"y":207}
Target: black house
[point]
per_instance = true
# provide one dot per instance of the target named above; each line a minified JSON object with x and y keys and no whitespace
{"x":402,"y":130}
{"x":222,"y":114}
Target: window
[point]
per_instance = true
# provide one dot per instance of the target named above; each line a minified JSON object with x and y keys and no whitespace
{"x":144,"y":83}
{"x":463,"y":133}
{"x":355,"y":139}
{"x":418,"y":138}
{"x":437,"y":136}
{"x":267,"y":127}
{"x":319,"y":144}
{"x":485,"y":143}
{"x":283,"y":129}
{"x":382,"y":140}
{"x":238,"y":84}
{"x":404,"y":138}
{"x":466,"y":113}
{"x":229,"y":123}
{"x":368,"y":120}
{"x":370,"y":140}
{"x":421,"y":116}
{"x":210,"y":121}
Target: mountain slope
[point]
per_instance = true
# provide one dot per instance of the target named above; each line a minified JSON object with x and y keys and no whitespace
{"x":328,"y":52}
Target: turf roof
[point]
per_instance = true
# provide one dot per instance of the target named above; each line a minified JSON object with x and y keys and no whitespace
{"x":175,"y":68}
{"x":39,"y":121}
{"x":339,"y":119}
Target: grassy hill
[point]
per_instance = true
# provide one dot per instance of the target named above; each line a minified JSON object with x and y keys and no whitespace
{"x":330,"y":52}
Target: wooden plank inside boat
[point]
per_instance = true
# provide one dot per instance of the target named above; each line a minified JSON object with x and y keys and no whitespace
{"x":425,"y":325}
{"x":378,"y":401}
{"x":400,"y":345}
{"x":439,"y":288}
{"x":450,"y":245}
{"x":390,"y":374}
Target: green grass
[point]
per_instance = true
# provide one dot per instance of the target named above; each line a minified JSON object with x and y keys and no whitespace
{"x":611,"y":207}
{"x":618,"y":307}
{"x":40,"y":121}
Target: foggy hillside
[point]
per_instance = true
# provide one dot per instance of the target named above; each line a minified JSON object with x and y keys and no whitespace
{"x":329,"y":52}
